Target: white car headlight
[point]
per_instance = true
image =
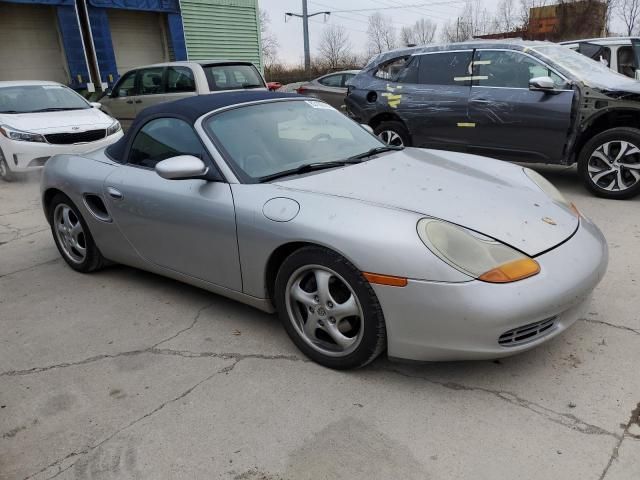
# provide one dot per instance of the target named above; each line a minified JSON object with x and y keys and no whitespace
{"x":13,"y":134}
{"x":476,"y":255}
{"x":114,"y":128}
{"x":547,"y":187}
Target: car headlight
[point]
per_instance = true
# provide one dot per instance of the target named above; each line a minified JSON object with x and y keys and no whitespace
{"x":13,"y":134}
{"x":114,"y":128}
{"x":476,"y":255}
{"x":547,"y":187}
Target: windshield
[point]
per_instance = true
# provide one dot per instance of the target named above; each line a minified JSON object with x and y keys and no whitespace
{"x":38,"y":98}
{"x":581,"y":67}
{"x":270,"y":138}
{"x":232,"y":77}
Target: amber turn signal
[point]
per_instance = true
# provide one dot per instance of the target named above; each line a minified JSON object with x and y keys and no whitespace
{"x":389,"y":280}
{"x":511,"y":271}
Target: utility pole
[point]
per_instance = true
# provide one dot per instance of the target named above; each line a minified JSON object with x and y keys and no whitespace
{"x":305,"y":31}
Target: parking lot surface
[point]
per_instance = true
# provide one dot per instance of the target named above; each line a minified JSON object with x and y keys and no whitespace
{"x":124,"y":374}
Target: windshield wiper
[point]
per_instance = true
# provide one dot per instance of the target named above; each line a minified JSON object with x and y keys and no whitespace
{"x":309,"y":167}
{"x":10,"y":111}
{"x":375,"y":151}
{"x":54,"y":109}
{"x":252,"y":85}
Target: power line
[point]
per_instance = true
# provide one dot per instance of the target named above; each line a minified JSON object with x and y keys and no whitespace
{"x":415,"y":5}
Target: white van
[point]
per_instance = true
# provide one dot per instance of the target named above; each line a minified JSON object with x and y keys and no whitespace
{"x":621,"y":54}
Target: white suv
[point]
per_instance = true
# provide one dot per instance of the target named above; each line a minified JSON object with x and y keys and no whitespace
{"x":621,"y":54}
{"x":40,"y":119}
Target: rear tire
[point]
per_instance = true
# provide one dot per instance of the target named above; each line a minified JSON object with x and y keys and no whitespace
{"x":609,"y":163}
{"x":328,"y":309}
{"x":5,"y":173}
{"x":72,"y":236}
{"x":393,"y":133}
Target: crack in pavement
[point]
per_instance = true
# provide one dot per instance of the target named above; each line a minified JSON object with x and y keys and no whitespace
{"x":193,"y":324}
{"x":91,"y":448}
{"x":565,"y":419}
{"x":18,"y":236}
{"x":48,"y":262}
{"x":613,"y":325}
{"x":635,"y":418}
{"x":6,"y":214}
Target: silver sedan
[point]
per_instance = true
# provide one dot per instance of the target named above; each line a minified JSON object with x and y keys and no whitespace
{"x":283,"y":203}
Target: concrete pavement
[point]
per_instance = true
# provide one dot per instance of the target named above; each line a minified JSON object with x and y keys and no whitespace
{"x":124,"y":374}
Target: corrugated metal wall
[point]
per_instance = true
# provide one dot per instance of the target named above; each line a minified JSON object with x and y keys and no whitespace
{"x":222,"y":29}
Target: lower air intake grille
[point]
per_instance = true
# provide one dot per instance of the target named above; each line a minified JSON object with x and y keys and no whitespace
{"x":527,"y":333}
{"x":80,"y":137}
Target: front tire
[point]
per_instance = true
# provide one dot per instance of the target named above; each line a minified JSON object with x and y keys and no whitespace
{"x":393,"y":133}
{"x":609,"y":163}
{"x":5,"y":172}
{"x":328,"y":309}
{"x":72,"y":236}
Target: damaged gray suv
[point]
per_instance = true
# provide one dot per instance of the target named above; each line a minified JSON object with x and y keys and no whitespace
{"x":514,"y":100}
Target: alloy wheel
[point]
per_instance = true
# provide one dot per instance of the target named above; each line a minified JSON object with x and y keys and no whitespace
{"x":615,"y":166}
{"x":391,"y":138}
{"x":324,"y":310}
{"x":3,"y":168}
{"x":70,"y":234}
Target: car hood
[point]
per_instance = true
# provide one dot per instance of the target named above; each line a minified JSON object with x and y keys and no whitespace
{"x":47,"y":122}
{"x":491,"y":197}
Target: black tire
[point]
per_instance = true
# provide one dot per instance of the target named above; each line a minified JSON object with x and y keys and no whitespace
{"x":396,"y":127}
{"x":618,"y":134}
{"x":5,"y":173}
{"x":93,"y":259}
{"x":373,"y":337}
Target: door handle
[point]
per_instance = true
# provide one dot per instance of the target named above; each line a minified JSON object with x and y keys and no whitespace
{"x":115,"y":193}
{"x":138,"y":101}
{"x":130,"y":102}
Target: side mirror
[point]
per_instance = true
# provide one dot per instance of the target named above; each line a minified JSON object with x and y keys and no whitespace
{"x":367,"y":128}
{"x":181,"y":167}
{"x":542,"y":84}
{"x":96,"y":105}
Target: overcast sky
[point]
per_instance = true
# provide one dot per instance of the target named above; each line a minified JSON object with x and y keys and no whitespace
{"x":289,"y":33}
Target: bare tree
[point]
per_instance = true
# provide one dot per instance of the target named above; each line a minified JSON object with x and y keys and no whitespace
{"x":381,"y":34}
{"x":525,"y":9}
{"x":473,"y":21}
{"x":406,"y":36}
{"x":424,"y":31}
{"x":334,"y":48}
{"x":269,"y":41}
{"x":629,"y":12}
{"x":505,"y":20}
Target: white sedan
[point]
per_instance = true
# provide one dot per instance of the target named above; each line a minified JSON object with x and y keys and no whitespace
{"x":39,"y":119}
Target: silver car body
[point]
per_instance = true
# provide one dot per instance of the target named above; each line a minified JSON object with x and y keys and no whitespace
{"x":224,"y":237}
{"x":331,"y":88}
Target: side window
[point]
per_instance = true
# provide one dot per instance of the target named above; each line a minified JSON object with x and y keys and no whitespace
{"x":151,"y":81}
{"x":446,"y":68}
{"x":179,"y":80}
{"x":391,"y":70}
{"x":508,"y":69}
{"x":164,"y":138}
{"x":331,"y":81}
{"x":346,"y":79}
{"x":626,"y":62}
{"x":126,"y":86}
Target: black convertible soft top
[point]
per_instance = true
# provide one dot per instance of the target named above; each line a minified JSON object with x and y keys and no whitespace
{"x":189,"y":109}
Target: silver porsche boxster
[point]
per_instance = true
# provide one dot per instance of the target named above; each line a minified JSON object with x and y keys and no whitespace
{"x":285,"y":204}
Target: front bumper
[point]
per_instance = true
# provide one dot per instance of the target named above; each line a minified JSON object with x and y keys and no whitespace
{"x":435,"y":321}
{"x":30,"y":156}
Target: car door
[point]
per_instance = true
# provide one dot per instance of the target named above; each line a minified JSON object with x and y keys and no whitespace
{"x":331,"y":89}
{"x":431,"y":95}
{"x":187,"y":226}
{"x":151,"y":88}
{"x":121,"y":103}
{"x":510,"y":120}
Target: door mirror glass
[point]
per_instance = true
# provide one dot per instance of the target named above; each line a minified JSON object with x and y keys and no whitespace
{"x":541,"y":84}
{"x":181,"y":167}
{"x":96,"y":105}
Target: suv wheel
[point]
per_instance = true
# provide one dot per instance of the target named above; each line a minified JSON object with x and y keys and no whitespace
{"x":393,"y":133}
{"x":609,"y":163}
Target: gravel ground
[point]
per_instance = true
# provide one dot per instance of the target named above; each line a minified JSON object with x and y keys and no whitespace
{"x":123,"y":374}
